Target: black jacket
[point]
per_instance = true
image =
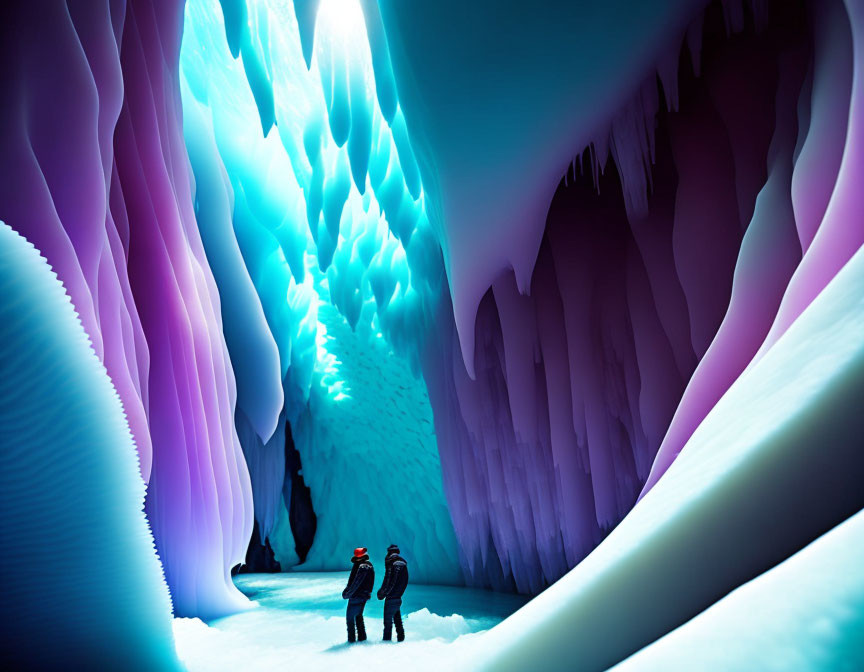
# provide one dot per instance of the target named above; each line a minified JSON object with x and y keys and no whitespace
{"x":395,"y":577}
{"x":361,"y":581}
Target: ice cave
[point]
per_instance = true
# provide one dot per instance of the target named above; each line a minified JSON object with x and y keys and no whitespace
{"x":563,"y":298}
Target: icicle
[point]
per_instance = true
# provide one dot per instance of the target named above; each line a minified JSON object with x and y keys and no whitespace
{"x":733,"y":15}
{"x":306,"y":11}
{"x":632,"y":141}
{"x":385,"y":85}
{"x":694,"y":43}
{"x":234,"y":12}
{"x":667,"y":71}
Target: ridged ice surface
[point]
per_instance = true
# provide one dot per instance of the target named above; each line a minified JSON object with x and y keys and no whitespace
{"x":371,"y":461}
{"x":776,"y":464}
{"x":82,"y":585}
{"x":96,"y":176}
{"x":310,"y":206}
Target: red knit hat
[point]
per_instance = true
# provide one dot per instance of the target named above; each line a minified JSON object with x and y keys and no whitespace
{"x":359,"y":552}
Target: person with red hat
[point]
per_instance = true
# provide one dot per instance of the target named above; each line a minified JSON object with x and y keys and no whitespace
{"x":357,"y":592}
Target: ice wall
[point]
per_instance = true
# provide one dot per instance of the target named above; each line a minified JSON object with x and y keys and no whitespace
{"x":312,"y":214}
{"x":776,"y":464}
{"x":371,"y":462}
{"x":96,"y":176}
{"x":644,"y":304}
{"x":82,"y":587}
{"x":499,"y":100}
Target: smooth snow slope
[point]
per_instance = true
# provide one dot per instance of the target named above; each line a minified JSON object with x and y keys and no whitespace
{"x":82,"y":586}
{"x":805,"y":614}
{"x":778,"y":462}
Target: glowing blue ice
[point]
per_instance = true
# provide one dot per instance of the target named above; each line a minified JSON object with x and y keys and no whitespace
{"x":329,"y":220}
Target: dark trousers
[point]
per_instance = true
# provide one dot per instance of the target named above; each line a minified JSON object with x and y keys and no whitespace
{"x":392,"y":614}
{"x":354,"y":614}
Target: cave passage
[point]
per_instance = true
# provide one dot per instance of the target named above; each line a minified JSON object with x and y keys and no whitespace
{"x":566,"y":301}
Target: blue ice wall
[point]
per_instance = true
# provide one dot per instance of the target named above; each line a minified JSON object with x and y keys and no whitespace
{"x":370,"y":457}
{"x":82,"y":585}
{"x":312,"y":214}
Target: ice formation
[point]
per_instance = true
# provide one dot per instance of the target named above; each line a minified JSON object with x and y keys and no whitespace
{"x":775,"y":464}
{"x":82,"y":586}
{"x":569,"y":291}
{"x":95,"y":175}
{"x":316,"y":230}
{"x":642,"y":305}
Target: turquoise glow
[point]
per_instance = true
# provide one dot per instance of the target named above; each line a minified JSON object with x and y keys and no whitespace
{"x":330,"y":224}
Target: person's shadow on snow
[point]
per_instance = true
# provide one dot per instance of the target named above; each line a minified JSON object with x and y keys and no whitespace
{"x":350,"y":645}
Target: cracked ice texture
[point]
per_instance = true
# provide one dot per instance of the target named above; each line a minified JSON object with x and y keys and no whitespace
{"x":96,"y":176}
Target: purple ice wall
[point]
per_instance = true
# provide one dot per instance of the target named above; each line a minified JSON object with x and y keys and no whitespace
{"x":95,"y":174}
{"x":656,"y":284}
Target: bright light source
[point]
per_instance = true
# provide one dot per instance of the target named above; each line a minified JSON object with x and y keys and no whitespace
{"x":340,"y":20}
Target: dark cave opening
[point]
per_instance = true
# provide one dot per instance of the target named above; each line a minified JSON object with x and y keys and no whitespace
{"x":297,"y":497}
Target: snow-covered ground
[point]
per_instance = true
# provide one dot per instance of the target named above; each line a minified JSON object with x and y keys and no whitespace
{"x":299,"y":624}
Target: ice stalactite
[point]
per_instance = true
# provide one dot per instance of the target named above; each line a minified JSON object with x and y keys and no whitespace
{"x":582,"y":381}
{"x":776,"y":464}
{"x":97,"y":177}
{"x":772,"y":277}
{"x":266,"y":462}
{"x":83,"y":587}
{"x":328,"y":216}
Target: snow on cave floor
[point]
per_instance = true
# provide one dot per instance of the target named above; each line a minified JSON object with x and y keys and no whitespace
{"x":299,"y":624}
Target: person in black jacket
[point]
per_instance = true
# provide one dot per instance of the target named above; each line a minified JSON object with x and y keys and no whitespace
{"x":361,"y":581}
{"x":391,"y":590}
